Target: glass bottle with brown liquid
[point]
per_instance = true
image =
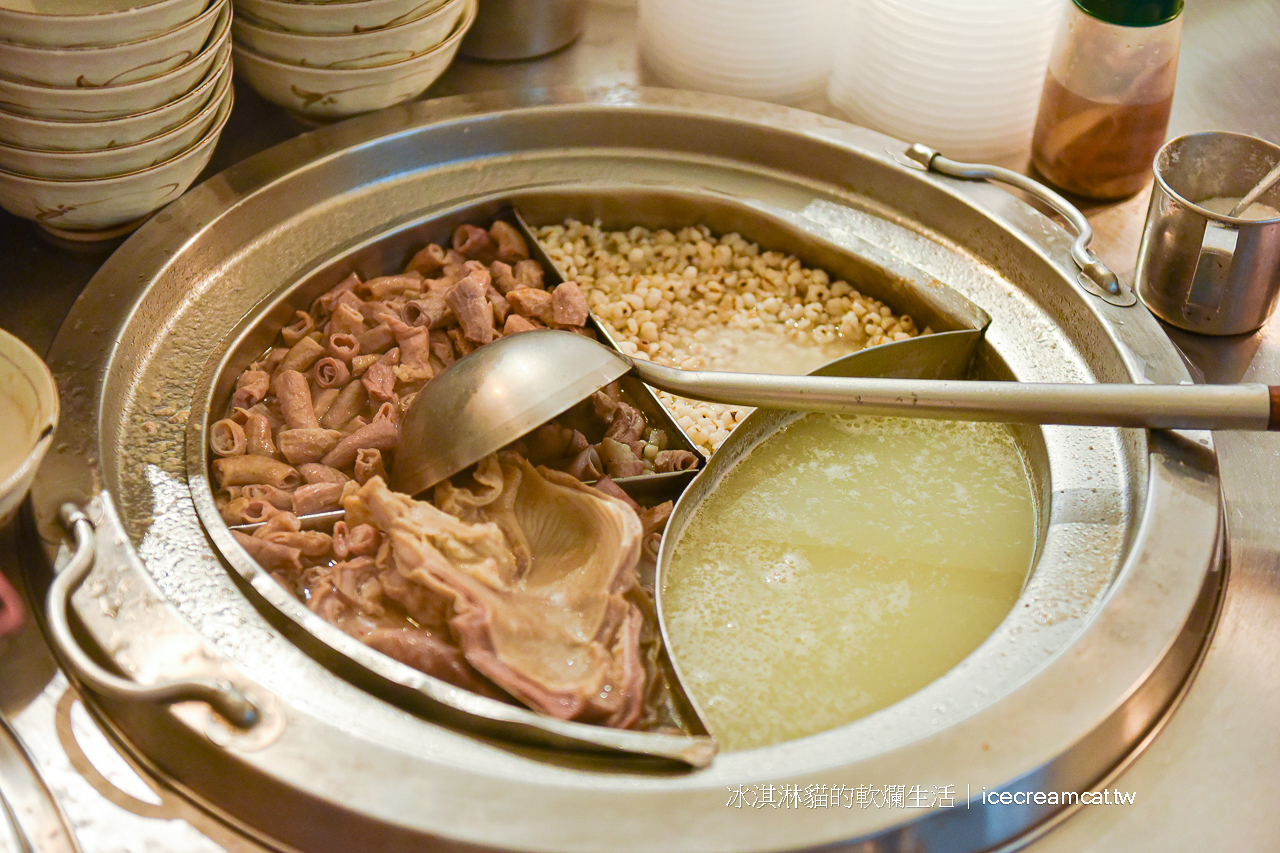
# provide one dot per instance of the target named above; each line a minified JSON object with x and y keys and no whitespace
{"x":1107,"y":95}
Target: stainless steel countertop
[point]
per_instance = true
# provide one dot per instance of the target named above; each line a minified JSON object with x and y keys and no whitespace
{"x":1205,"y":782}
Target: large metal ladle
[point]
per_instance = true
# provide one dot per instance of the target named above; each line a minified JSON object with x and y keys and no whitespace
{"x":507,"y":388}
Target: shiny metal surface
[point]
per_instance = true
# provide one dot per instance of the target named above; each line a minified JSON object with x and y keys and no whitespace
{"x":222,"y":696}
{"x":31,"y":820}
{"x":1202,"y":271}
{"x":522,"y":29}
{"x":1114,"y":405}
{"x":1208,"y":766}
{"x":492,"y":397}
{"x":1135,"y":513}
{"x":1095,"y":272}
{"x":479,"y":399}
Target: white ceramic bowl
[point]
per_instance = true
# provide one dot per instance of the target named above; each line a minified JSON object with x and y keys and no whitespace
{"x":352,"y":50}
{"x":47,"y":134}
{"x":349,"y":16}
{"x":95,"y":209}
{"x":28,"y":418}
{"x":85,"y":22}
{"x":110,"y":65}
{"x":333,"y":93}
{"x":119,"y":160}
{"x":115,"y":101}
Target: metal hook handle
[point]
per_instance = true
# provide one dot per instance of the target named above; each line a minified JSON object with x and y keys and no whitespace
{"x":233,"y":705}
{"x":1096,"y":276}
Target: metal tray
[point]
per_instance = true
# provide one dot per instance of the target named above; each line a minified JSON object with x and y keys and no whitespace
{"x":1073,"y":681}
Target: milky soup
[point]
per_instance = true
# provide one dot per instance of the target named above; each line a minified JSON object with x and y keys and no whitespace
{"x":843,"y":565}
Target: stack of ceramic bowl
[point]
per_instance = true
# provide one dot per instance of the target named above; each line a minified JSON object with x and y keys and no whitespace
{"x":108,"y":109}
{"x":325,"y":59}
{"x":752,"y":48}
{"x":964,"y":78}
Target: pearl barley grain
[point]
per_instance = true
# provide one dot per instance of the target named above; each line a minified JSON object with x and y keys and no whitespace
{"x":695,"y":300}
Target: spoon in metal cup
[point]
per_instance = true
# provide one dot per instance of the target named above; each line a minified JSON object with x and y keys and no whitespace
{"x":1267,"y":182}
{"x":507,"y":388}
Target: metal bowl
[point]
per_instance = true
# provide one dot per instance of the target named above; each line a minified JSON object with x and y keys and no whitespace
{"x":523,"y":29}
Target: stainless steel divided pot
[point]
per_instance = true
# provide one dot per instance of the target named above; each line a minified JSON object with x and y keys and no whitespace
{"x":304,"y":754}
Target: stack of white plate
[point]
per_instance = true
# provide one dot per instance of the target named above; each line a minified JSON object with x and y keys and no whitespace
{"x":964,"y":78}
{"x":331,"y":58}
{"x":752,"y":48}
{"x":109,"y":109}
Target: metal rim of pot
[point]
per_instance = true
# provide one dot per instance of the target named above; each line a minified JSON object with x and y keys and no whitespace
{"x":159,"y":605}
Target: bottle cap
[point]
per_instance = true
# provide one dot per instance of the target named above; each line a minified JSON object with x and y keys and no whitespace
{"x":1132,"y":13}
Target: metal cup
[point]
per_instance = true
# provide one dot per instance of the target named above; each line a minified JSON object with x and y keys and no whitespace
{"x":522,"y":29}
{"x":1203,"y":271}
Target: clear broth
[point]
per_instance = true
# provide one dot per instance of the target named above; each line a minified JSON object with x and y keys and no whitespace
{"x":842,"y":566}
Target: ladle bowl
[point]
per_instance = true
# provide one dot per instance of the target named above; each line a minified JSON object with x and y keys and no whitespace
{"x":503,"y":390}
{"x":490,"y":398}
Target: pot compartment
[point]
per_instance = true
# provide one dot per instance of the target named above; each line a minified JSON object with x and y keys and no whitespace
{"x":900,"y":286}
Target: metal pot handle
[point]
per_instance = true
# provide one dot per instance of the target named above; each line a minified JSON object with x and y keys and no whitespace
{"x":228,"y":701}
{"x":1095,"y":276}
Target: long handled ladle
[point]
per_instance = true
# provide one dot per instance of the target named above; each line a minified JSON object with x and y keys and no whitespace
{"x":505,"y":389}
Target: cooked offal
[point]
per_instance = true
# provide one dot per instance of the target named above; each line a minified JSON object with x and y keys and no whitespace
{"x":517,"y":582}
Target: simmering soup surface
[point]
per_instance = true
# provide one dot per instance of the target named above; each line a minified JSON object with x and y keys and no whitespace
{"x":842,"y":566}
